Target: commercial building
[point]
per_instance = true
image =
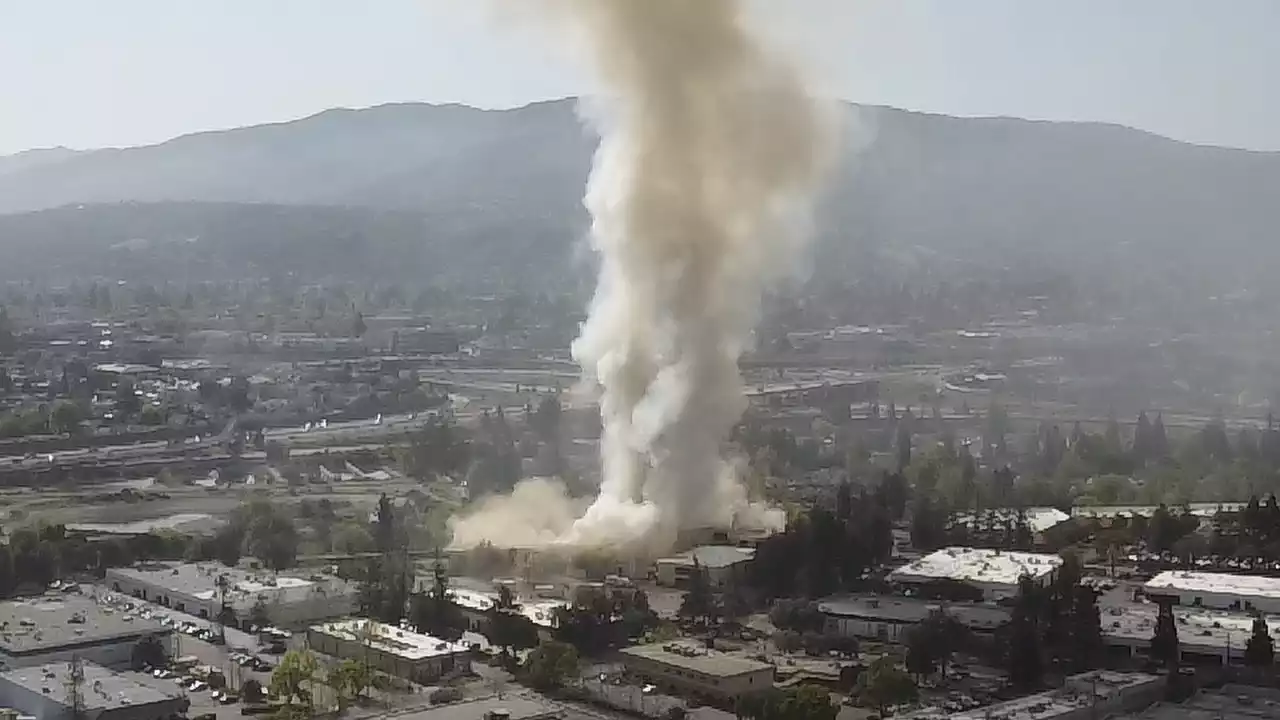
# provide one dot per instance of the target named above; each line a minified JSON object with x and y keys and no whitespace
{"x":193,"y":588}
{"x":475,"y":606}
{"x":53,"y":628}
{"x":1088,"y":696}
{"x":1230,"y":702}
{"x":48,"y":692}
{"x":888,"y":619}
{"x":993,"y":573}
{"x":403,"y":653}
{"x":510,"y":706}
{"x":723,"y":565}
{"x":1248,"y":593}
{"x":1041,"y":521}
{"x":1205,"y":636}
{"x":698,"y":672}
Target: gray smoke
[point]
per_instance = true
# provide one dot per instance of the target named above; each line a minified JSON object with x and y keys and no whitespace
{"x":711,"y":152}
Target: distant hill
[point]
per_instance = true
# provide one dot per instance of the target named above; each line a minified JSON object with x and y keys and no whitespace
{"x":486,"y":183}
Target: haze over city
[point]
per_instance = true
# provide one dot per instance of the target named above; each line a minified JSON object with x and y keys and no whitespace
{"x":617,"y":359}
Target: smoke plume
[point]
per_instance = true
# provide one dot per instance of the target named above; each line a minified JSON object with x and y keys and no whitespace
{"x":711,"y":150}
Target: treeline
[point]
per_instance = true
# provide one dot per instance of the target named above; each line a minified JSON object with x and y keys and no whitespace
{"x":827,"y":550}
{"x":34,"y":557}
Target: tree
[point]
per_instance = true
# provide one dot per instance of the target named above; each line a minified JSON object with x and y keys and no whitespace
{"x":294,"y":678}
{"x":1086,"y":629}
{"x":1026,"y":656}
{"x":1260,"y":651}
{"x":65,"y":417}
{"x":358,"y":326}
{"x":351,"y":678}
{"x":1164,"y":642}
{"x":508,"y":628}
{"x":884,"y":685}
{"x":434,"y":612}
{"x":797,"y":703}
{"x":272,"y":537}
{"x":904,"y":446}
{"x":550,"y":665}
{"x":944,"y":635}
{"x":698,"y":603}
{"x":127,"y":402}
{"x":921,"y":661}
{"x":149,"y":652}
{"x":252,"y":691}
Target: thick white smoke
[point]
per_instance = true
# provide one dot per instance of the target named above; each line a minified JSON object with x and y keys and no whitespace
{"x":710,"y":155}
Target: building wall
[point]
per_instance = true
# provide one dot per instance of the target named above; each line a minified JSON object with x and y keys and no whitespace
{"x":681,"y":681}
{"x":1219,"y":601}
{"x":46,"y":707}
{"x":871,"y":629}
{"x":425,"y":670}
{"x":116,"y":654}
{"x":677,"y":574}
{"x":294,"y":613}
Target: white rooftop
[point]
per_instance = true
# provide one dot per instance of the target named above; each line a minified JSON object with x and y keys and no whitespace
{"x":1216,"y":583}
{"x":390,"y":639}
{"x":1199,"y":629}
{"x":697,"y":659}
{"x":1038,"y":519}
{"x":977,"y":565}
{"x":540,"y":611}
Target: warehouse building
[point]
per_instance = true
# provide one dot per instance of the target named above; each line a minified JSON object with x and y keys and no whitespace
{"x":53,"y":628}
{"x":192,"y":588}
{"x":993,"y":573}
{"x":47,"y":692}
{"x":723,"y":565}
{"x":419,"y":658}
{"x":888,"y":619}
{"x":1246,"y":593}
{"x":697,"y":672}
{"x":1205,"y":636}
{"x":1091,"y":695}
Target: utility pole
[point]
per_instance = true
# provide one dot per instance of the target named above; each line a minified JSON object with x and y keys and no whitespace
{"x":75,"y":688}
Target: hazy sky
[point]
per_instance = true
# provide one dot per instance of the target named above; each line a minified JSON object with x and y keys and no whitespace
{"x":93,"y":73}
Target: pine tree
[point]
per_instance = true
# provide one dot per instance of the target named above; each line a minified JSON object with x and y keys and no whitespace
{"x":1164,"y":643}
{"x":1260,"y":650}
{"x":1026,"y":656}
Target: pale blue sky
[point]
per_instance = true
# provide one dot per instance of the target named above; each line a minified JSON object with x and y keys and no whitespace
{"x":93,"y":73}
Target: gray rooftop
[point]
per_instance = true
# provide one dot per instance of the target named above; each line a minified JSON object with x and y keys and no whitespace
{"x":57,"y":621}
{"x":199,"y":580}
{"x":912,"y":610}
{"x":1232,"y":702}
{"x":697,"y":659}
{"x":1198,"y":628}
{"x":101,"y":690}
{"x":1080,"y":691}
{"x":518,"y":707}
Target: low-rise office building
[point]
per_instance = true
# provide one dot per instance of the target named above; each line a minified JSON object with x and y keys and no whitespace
{"x":53,"y":628}
{"x":510,"y":706}
{"x":1248,"y":593}
{"x":723,"y":565}
{"x":392,"y":650}
{"x":48,"y":692}
{"x":993,"y":573}
{"x":686,"y":669}
{"x":193,"y":588}
{"x":476,"y":606}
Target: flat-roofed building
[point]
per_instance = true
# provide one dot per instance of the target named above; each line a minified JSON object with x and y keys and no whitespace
{"x":691,"y":670}
{"x":192,"y":588}
{"x":46,"y":693}
{"x":52,"y":628}
{"x":395,"y":651}
{"x":1205,"y":636}
{"x":1229,"y":702}
{"x":509,"y":706}
{"x":1096,"y":694}
{"x":723,"y":565}
{"x":476,"y":604}
{"x":1217,"y":590}
{"x":994,"y":573}
{"x":888,"y":618}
